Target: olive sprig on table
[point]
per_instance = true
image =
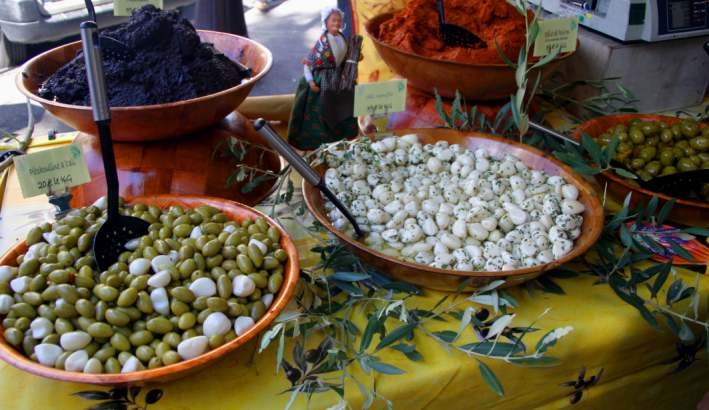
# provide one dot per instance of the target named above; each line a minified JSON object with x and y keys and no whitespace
{"x":340,"y":289}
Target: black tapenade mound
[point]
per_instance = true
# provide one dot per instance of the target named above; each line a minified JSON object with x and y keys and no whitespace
{"x":169,"y":64}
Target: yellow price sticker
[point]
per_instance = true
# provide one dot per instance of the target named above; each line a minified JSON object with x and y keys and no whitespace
{"x":557,"y":34}
{"x":126,"y":7}
{"x":51,"y":170}
{"x":380,"y":98}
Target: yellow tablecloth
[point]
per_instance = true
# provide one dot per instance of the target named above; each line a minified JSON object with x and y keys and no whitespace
{"x":609,"y":335}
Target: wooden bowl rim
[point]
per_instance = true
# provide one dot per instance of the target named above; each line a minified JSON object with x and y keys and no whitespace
{"x":379,"y":19}
{"x":617,"y":119}
{"x":249,"y":82}
{"x":594,"y":228}
{"x":290,"y":278}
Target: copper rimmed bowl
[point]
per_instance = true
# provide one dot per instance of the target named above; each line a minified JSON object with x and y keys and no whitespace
{"x":449,"y":280}
{"x":234,"y":211}
{"x":159,"y":121}
{"x":474,"y":81}
{"x":684,"y":211}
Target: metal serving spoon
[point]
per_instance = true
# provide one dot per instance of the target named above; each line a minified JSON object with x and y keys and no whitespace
{"x":118,"y":229}
{"x":309,"y":174}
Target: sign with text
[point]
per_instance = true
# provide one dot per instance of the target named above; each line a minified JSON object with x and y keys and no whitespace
{"x":51,"y":170}
{"x":126,"y":7}
{"x":380,"y":98}
{"x":556,"y":34}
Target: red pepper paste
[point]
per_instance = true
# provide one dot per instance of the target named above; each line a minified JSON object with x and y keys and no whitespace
{"x":415,"y":29}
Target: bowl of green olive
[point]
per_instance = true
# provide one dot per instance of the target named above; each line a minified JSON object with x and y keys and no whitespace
{"x":210,"y":275}
{"x":651,"y":146}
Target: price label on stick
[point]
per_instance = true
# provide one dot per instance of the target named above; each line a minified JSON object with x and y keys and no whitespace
{"x":557,"y":34}
{"x":52,"y":170}
{"x":380,"y":98}
{"x":126,"y":7}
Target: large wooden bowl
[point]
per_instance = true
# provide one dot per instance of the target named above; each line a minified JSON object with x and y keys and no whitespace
{"x":235,"y":211}
{"x":446,"y":279}
{"x":684,"y":211}
{"x":474,"y":81}
{"x":152,"y":122}
{"x":189,"y":165}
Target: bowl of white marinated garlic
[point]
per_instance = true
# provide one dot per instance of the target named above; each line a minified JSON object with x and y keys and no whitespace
{"x":440,"y":207}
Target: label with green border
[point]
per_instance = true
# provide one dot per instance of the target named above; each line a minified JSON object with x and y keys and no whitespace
{"x":126,"y":7}
{"x":51,"y":171}
{"x":383,"y":97}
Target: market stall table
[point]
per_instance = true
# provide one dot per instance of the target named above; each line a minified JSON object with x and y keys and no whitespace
{"x":635,"y":365}
{"x":637,"y":361}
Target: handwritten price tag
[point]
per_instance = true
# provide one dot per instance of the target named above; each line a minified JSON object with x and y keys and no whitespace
{"x":51,"y":170}
{"x":126,"y":7}
{"x":380,"y":98}
{"x":556,"y":34}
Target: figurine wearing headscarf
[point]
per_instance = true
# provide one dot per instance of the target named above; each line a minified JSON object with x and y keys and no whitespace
{"x":322,"y":113}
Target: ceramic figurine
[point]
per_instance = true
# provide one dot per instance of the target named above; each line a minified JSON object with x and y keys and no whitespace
{"x":322,"y":111}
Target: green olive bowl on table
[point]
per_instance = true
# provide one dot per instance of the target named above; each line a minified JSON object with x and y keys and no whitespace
{"x":692,"y":212}
{"x":449,"y":279}
{"x":234,"y":212}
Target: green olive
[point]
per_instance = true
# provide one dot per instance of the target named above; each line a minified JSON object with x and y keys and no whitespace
{"x":105,"y":353}
{"x":85,"y":308}
{"x":689,"y":128}
{"x":159,"y":325}
{"x":100,"y":330}
{"x":62,"y":326}
{"x":700,"y":143}
{"x":170,"y":357}
{"x":685,"y":164}
{"x":258,"y":309}
{"x":116,"y":317}
{"x":112,"y":365}
{"x":187,"y":321}
{"x":141,"y":337}
{"x":182,"y":294}
{"x":224,"y":286}
{"x":216,"y":304}
{"x":127,"y":297}
{"x":178,"y":307}
{"x":14,"y":336}
{"x":29,"y":267}
{"x":653,"y":167}
{"x":105,"y":293}
{"x":274,"y":283}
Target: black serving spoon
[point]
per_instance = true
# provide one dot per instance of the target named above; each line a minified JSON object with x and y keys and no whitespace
{"x":454,"y":35}
{"x":111,"y":237}
{"x":680,"y":184}
{"x":309,"y":174}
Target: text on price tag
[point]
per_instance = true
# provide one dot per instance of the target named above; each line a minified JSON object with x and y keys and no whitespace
{"x":556,"y":34}
{"x":380,"y":98}
{"x":126,"y":7}
{"x":52,"y":170}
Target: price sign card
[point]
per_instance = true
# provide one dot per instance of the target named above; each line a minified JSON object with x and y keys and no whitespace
{"x":557,"y":34}
{"x":380,"y":98}
{"x":52,"y":170}
{"x":126,"y":7}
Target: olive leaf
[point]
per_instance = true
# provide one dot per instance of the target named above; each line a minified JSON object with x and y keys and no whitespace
{"x":93,"y":395}
{"x":490,"y":378}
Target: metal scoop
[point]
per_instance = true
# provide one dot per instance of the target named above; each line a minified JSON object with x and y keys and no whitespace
{"x":454,"y":35}
{"x":118,"y":229}
{"x":111,"y":46}
{"x":309,"y":174}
